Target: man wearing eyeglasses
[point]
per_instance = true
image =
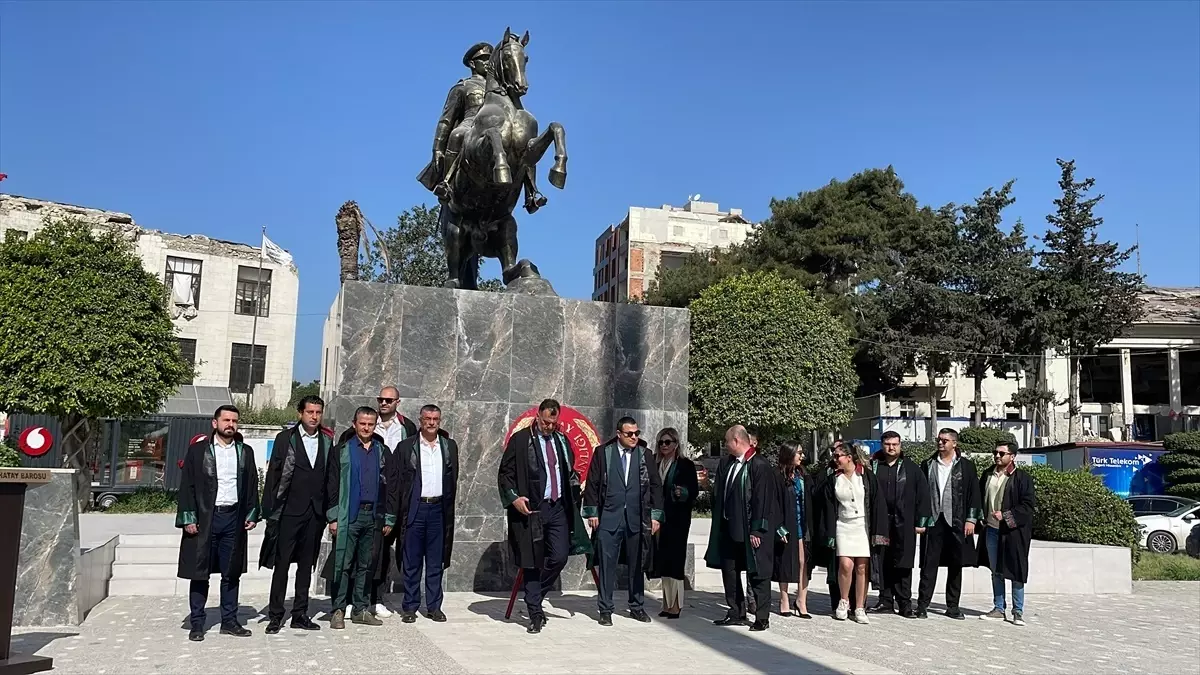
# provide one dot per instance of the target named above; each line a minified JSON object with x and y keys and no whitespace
{"x":956,"y":508}
{"x":1009,"y":501}
{"x":393,"y":428}
{"x":623,"y":506}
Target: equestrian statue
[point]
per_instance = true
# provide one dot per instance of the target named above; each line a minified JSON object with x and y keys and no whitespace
{"x":485,"y":152}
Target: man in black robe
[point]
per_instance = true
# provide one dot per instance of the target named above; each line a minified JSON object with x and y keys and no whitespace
{"x":539,"y":488}
{"x":1009,"y":502}
{"x":293,"y":504}
{"x":622,"y":504}
{"x":744,"y":521}
{"x":218,"y":505}
{"x":905,"y":492}
{"x":956,"y":508}
{"x":428,"y":487}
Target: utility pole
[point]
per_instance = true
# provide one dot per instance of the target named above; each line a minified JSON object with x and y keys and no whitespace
{"x":262,"y":253}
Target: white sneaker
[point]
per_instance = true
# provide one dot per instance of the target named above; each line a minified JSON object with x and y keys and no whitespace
{"x":380,"y":611}
{"x":860,"y":616}
{"x":843,"y":609}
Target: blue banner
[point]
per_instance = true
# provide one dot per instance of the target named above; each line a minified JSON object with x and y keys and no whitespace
{"x":1129,"y":472}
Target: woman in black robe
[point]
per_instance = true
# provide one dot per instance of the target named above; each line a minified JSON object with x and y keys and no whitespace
{"x":791,"y":545}
{"x":679,"y":486}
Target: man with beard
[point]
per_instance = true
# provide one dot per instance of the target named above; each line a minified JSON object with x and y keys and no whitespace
{"x":905,"y":493}
{"x":362,"y":490}
{"x":393,"y":428}
{"x":955,"y":509}
{"x":293,"y":504}
{"x":1009,"y":499}
{"x":428,"y":486}
{"x":744,"y":520}
{"x":539,"y":488}
{"x":218,"y":506}
{"x":623,"y":509}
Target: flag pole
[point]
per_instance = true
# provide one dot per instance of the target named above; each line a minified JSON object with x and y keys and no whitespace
{"x":262,"y":252}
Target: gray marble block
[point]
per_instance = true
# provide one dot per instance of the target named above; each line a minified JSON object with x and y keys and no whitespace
{"x":47,"y":591}
{"x":486,"y":358}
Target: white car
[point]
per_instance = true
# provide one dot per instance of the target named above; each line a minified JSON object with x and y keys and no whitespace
{"x":1167,"y":533}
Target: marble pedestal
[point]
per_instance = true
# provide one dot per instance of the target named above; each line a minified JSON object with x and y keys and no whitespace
{"x":485,"y":358}
{"x":47,"y":592}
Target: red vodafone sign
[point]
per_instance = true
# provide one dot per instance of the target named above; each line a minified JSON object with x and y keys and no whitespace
{"x":579,"y":430}
{"x":35,"y":441}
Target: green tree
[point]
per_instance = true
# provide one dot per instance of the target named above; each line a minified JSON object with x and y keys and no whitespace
{"x":299,"y":391}
{"x":1182,"y":462}
{"x":1090,"y":302}
{"x":678,"y":287}
{"x":412,"y":253}
{"x":996,"y":278}
{"x":767,"y":354}
{"x":85,"y":333}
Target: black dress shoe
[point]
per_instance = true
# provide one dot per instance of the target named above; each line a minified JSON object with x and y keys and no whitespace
{"x":196,"y":635}
{"x":908,"y":613}
{"x":664,"y":614}
{"x":437,"y":615}
{"x":760,"y":625}
{"x":730,"y":621}
{"x":673,"y":616}
{"x":639,"y":615}
{"x":274,"y":626}
{"x":408,"y":617}
{"x":235,"y":630}
{"x":536,"y":623}
{"x":304,"y":623}
{"x":882,"y":608}
{"x":955,"y":613}
{"x":606,"y":619}
{"x":921,"y":613}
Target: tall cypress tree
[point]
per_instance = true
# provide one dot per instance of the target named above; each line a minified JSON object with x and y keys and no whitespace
{"x":1090,"y":302}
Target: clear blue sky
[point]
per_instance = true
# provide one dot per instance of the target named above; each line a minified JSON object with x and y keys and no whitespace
{"x":217,"y":118}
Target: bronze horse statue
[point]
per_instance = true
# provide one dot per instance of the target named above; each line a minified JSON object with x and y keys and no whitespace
{"x":499,"y":158}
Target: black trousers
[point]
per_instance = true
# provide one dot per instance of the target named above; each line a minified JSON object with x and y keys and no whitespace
{"x":936,"y":538}
{"x":610,"y":552}
{"x":224,"y":533}
{"x":381,"y":585}
{"x":897,"y":586}
{"x":299,"y":539}
{"x":557,"y":542}
{"x":732,"y":565}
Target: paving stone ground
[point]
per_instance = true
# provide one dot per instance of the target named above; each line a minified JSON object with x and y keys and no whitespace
{"x":1155,"y":630}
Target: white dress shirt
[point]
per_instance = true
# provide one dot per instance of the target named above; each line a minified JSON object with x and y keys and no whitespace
{"x":431,"y":467}
{"x":311,"y":445}
{"x":392,"y":432}
{"x":227,"y":470}
{"x":943,"y":473}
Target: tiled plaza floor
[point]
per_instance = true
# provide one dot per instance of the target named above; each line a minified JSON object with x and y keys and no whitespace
{"x":1155,"y":630}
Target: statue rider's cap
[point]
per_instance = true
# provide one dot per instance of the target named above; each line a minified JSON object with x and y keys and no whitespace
{"x":475,"y":50}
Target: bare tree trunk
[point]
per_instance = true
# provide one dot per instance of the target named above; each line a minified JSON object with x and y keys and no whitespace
{"x":933,"y":401}
{"x":80,"y":452}
{"x":978,"y":417}
{"x":1074,"y":422}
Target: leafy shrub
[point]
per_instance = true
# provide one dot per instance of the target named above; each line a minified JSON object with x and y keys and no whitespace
{"x":1075,"y":506}
{"x":268,"y":416}
{"x":1183,"y":464}
{"x":9,"y":455}
{"x":982,"y":440}
{"x":1166,"y":567}
{"x":703,"y":504}
{"x":145,"y":500}
{"x":919,"y":452}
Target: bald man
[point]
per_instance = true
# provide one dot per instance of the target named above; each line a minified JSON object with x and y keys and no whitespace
{"x":744,"y":519}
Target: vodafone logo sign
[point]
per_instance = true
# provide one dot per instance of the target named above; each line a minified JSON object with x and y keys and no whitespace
{"x":35,"y":441}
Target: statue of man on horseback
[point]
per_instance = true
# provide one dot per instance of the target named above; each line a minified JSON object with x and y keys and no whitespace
{"x":486,"y":150}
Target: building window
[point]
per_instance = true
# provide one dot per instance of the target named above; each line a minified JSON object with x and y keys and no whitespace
{"x":908,"y":410}
{"x":187,"y":349}
{"x":943,"y":408}
{"x":983,"y":410}
{"x":243,"y":374}
{"x":183,"y":278}
{"x":12,"y":234}
{"x":723,"y":234}
{"x":677,"y":230}
{"x":1012,"y":411}
{"x":253,"y":291}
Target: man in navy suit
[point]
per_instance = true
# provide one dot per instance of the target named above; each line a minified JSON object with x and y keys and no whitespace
{"x":428,"y":487}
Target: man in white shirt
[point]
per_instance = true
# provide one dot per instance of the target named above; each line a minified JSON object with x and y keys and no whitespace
{"x":428,"y":487}
{"x":216,"y":510}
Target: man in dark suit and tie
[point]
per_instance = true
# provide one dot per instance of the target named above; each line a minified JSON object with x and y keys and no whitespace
{"x":428,"y":473}
{"x":294,"y":507}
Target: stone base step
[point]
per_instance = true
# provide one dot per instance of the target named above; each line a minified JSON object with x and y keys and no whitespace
{"x":179,"y":587}
{"x":168,"y":570}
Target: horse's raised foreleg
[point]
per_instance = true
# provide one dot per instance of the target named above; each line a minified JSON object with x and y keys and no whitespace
{"x":537,"y":149}
{"x":500,"y":171}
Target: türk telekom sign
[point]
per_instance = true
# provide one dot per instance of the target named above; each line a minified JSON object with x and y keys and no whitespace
{"x":579,"y":430}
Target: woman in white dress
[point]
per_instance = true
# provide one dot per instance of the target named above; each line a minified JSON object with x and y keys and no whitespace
{"x":858,"y":520}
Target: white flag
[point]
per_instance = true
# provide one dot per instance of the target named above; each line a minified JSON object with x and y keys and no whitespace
{"x":272,"y":251}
